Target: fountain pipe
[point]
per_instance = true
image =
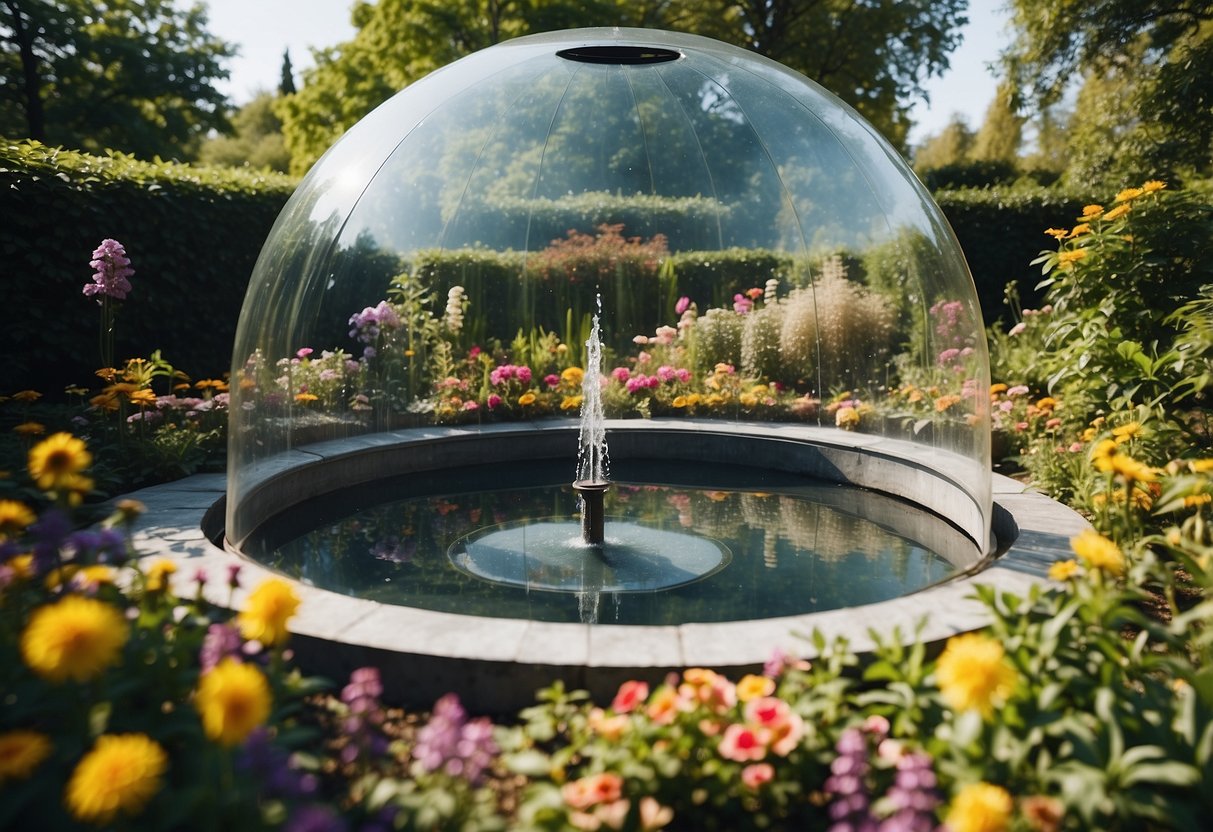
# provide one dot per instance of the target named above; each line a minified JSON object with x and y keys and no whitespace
{"x":593,"y":517}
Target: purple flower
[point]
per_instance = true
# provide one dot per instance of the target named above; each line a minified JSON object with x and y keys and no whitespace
{"x":113,"y":269}
{"x":742,"y":304}
{"x":362,"y":726}
{"x":220,"y":642}
{"x":450,"y":742}
{"x":233,"y":575}
{"x":50,"y":534}
{"x":270,"y":765}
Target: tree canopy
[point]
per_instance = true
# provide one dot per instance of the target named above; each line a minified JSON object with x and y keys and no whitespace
{"x":1147,"y":61}
{"x":256,"y":142}
{"x":97,"y":74}
{"x":874,"y":55}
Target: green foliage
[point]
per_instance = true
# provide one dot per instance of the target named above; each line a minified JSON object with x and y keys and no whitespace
{"x":135,"y":77}
{"x":951,"y":146}
{"x":256,"y":143}
{"x":1147,"y":93}
{"x":192,"y":234}
{"x":874,"y":56}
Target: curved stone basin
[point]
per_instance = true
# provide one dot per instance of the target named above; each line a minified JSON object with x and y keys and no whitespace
{"x":497,"y":664}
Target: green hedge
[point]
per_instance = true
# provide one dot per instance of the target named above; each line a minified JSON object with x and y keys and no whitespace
{"x":1002,"y":231}
{"x":193,"y":235}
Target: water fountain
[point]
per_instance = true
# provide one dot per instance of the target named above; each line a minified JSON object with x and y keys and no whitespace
{"x":808,"y":447}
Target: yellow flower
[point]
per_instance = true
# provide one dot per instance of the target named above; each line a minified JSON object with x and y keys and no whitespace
{"x":747,"y":399}
{"x":121,"y":774}
{"x":1118,"y":212}
{"x":1103,"y":453}
{"x":30,"y":429}
{"x":1127,"y":431}
{"x":715,"y":400}
{"x":1063,"y":570}
{"x":157,"y":575}
{"x":304,"y":398}
{"x":1128,"y":194}
{"x":1079,"y":230}
{"x":573,"y":376}
{"x":973,"y":673}
{"x":1194,"y":500}
{"x":680,"y":401}
{"x":944,"y":402}
{"x":27,"y":396}
{"x":1047,"y":403}
{"x":526,"y":398}
{"x":14,"y":517}
{"x":56,"y":460}
{"x":847,"y":418}
{"x":21,"y":752}
{"x":754,"y":687}
{"x":22,"y":566}
{"x":1098,"y":553}
{"x":212,"y":383}
{"x":570,"y":403}
{"x":1057,"y":233}
{"x":1090,"y":212}
{"x":233,"y":699}
{"x":1201,"y":466}
{"x":104,"y":401}
{"x":1133,"y":471}
{"x":1067,"y":259}
{"x":269,"y":608}
{"x":995,"y":389}
{"x":143,"y":398}
{"x":76,"y":638}
{"x":1153,"y":185}
{"x":980,"y":807}
{"x":693,"y":399}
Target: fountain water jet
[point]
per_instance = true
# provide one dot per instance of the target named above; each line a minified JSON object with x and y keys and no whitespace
{"x":593,"y":462}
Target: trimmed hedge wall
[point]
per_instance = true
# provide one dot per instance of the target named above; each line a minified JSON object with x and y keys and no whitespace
{"x":1002,"y":231}
{"x":193,"y":235}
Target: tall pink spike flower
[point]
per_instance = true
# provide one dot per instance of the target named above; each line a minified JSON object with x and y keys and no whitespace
{"x":113,"y":268}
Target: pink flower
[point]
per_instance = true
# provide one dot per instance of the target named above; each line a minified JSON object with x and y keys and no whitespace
{"x":1017,"y":390}
{"x":741,"y":743}
{"x":640,"y":340}
{"x":1018,"y":328}
{"x":665,"y":372}
{"x":684,"y":303}
{"x":551,"y":380}
{"x":683,"y":375}
{"x":742,"y":304}
{"x":630,"y":696}
{"x":621,"y":374}
{"x":1076,"y":447}
{"x":783,"y":726}
{"x":494,"y":401}
{"x":948,"y":355}
{"x":653,"y":815}
{"x":303,"y":352}
{"x":756,"y":774}
{"x":113,"y":269}
{"x":1053,"y":423}
{"x":643,"y":358}
{"x":665,"y":335}
{"x":606,"y":787}
{"x":471,"y":406}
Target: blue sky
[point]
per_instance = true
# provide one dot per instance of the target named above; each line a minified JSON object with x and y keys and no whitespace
{"x":263,"y":28}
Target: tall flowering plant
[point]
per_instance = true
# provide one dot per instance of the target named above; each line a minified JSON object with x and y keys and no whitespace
{"x":110,"y":285}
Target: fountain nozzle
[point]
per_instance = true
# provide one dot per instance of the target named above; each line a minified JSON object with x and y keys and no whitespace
{"x":593,"y":516}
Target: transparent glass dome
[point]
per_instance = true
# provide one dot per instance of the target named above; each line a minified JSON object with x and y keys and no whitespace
{"x":764,"y":259}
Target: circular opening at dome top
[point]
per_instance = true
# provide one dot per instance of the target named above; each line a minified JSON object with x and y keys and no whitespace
{"x":619,"y":54}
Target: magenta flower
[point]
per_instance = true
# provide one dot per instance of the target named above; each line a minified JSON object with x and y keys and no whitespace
{"x":303,"y":352}
{"x":551,"y":380}
{"x":742,"y":304}
{"x":113,"y":268}
{"x":684,"y":303}
{"x":494,"y":401}
{"x":665,"y":372}
{"x":621,"y":374}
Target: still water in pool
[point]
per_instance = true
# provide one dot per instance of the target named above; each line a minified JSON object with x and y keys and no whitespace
{"x":732,"y":543}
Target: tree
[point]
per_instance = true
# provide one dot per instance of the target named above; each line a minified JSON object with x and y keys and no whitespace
{"x":96,"y":74}
{"x":874,"y":54}
{"x":950,"y":146}
{"x":287,"y":85}
{"x":1001,"y":133}
{"x":1157,"y":54}
{"x":257,"y":140}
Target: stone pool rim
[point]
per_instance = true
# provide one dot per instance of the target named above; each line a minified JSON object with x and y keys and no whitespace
{"x":496,"y":665}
